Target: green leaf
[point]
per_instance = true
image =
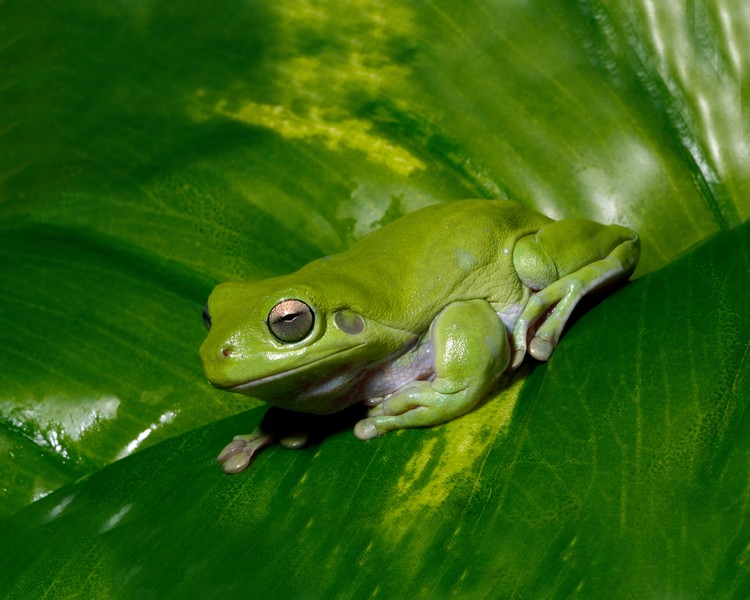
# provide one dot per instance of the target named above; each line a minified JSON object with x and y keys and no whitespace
{"x":152,"y":149}
{"x":625,"y":477}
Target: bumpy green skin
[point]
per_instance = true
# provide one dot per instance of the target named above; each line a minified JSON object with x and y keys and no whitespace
{"x":417,"y":320}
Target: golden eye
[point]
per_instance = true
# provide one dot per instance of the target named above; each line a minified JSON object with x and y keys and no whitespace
{"x":291,"y":321}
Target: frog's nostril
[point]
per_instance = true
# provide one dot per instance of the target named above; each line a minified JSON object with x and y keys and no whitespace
{"x":226,"y":351}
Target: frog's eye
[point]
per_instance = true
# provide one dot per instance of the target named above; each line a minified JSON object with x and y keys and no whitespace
{"x":206,"y":317}
{"x":291,"y":321}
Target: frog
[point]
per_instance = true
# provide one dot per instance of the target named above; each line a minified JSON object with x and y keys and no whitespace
{"x":415,"y":323}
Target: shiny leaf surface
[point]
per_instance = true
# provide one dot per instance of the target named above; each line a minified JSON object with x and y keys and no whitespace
{"x":590,"y":482}
{"x":150,"y":150}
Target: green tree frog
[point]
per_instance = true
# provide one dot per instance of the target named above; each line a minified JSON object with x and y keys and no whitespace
{"x":417,"y":320}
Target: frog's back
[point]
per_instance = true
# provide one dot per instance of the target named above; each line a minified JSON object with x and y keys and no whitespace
{"x":495,"y":220}
{"x":412,"y":267}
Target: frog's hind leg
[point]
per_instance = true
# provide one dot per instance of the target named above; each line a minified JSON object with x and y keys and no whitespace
{"x":471,"y":350}
{"x":562,"y":263}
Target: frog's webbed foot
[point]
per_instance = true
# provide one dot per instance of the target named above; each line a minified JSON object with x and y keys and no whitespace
{"x":419,"y":404}
{"x":239,"y":453}
{"x":471,"y":350}
{"x":548,"y":310}
{"x":278,"y":425}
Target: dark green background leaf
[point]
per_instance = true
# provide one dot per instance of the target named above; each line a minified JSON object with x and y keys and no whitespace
{"x":150,"y":150}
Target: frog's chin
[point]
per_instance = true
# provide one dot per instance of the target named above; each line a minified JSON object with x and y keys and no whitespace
{"x":248,"y":387}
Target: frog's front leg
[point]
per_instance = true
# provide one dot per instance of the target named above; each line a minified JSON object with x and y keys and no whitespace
{"x":563,"y":262}
{"x":471,"y":350}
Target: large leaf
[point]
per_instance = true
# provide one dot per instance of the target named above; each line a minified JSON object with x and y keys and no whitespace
{"x":622,"y":478}
{"x":151,"y":149}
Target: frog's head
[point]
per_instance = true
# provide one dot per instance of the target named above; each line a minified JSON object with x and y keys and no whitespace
{"x":291,"y":345}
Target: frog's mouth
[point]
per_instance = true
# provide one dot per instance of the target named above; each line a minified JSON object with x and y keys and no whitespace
{"x":261,"y":381}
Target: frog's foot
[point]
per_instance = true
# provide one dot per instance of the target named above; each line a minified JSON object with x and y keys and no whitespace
{"x":548,"y":310}
{"x":239,"y":453}
{"x":542,"y":323}
{"x":471,"y":350}
{"x":415,"y":405}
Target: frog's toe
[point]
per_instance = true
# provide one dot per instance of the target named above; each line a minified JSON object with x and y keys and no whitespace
{"x":518,"y":354}
{"x":367,"y":429}
{"x":230,"y":450}
{"x":520,"y":344}
{"x":395,"y":405}
{"x":374,"y":401}
{"x":295,"y":441}
{"x":373,"y":427}
{"x":541,"y":348}
{"x":239,"y":453}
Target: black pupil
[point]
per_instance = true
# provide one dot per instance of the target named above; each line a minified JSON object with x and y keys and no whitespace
{"x":291,"y":320}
